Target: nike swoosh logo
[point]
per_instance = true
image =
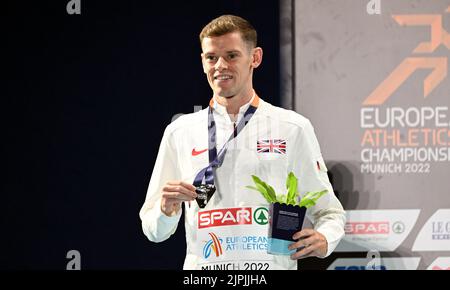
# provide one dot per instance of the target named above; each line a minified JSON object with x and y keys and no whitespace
{"x":195,"y":153}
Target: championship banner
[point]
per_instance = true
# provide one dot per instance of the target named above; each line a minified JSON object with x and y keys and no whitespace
{"x":373,"y":78}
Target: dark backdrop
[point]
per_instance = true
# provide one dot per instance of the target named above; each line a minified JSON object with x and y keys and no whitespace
{"x":87,"y":99}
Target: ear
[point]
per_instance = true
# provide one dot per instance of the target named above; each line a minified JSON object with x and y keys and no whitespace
{"x":203,"y":63}
{"x":257,"y":55}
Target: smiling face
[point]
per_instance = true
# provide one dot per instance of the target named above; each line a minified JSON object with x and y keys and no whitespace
{"x":228,"y":63}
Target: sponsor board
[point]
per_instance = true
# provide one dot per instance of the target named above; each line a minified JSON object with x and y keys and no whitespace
{"x":234,"y":239}
{"x":435,"y":234}
{"x":381,"y":230}
{"x":395,"y":116}
{"x":441,"y":263}
{"x":410,"y":263}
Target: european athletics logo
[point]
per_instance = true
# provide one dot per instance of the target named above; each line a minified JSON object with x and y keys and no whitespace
{"x":215,"y":244}
{"x":439,"y":36}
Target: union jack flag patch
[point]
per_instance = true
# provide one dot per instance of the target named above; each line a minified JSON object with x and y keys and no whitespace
{"x":271,"y":146}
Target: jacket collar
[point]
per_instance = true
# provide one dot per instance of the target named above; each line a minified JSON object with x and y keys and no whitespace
{"x":222,"y":110}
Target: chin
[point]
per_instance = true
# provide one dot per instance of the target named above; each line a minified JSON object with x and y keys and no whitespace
{"x":223,"y":94}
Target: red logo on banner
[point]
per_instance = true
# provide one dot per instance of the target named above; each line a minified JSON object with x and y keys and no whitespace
{"x":225,"y":217}
{"x":367,"y":228}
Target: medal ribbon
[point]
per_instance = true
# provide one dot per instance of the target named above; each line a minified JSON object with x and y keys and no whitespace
{"x":216,"y":159}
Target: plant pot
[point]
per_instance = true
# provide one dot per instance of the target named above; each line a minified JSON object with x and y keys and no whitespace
{"x":284,"y":221}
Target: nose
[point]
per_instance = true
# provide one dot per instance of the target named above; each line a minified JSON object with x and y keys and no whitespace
{"x":221,"y":64}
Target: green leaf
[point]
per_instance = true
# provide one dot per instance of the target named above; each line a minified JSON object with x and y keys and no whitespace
{"x":271,"y":192}
{"x":310,"y":198}
{"x":291,"y":202}
{"x":269,"y":189}
{"x":266,"y":190}
{"x":306,"y":203}
{"x":260,"y":189}
{"x":281,"y":198}
{"x":315,"y":195}
{"x":291,"y":184}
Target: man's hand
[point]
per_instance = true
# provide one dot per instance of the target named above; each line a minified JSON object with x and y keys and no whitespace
{"x":173,"y":194}
{"x":313,"y":243}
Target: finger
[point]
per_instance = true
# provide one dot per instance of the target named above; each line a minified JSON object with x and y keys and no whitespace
{"x":182,"y":183}
{"x":177,"y":195}
{"x":188,"y":185}
{"x":303,"y":243}
{"x":172,"y":202}
{"x":179,"y":188}
{"x":173,"y":182}
{"x":188,"y":188}
{"x":304,"y":253}
{"x":169,"y":208}
{"x":296,"y":245}
{"x":311,"y":240}
{"x":303,"y":233}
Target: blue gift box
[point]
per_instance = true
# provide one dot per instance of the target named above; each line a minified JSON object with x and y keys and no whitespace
{"x":284,"y":221}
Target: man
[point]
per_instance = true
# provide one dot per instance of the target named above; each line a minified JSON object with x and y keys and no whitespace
{"x":239,"y":135}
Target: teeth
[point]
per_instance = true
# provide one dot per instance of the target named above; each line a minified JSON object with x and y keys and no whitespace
{"x":224,"y":77}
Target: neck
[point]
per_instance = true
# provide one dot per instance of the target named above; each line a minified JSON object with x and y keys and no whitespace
{"x":232,"y":104}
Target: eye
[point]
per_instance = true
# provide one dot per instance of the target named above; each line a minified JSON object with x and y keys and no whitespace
{"x":211,"y":58}
{"x":232,"y":55}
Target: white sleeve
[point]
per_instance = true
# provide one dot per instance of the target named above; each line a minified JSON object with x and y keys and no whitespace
{"x":328,"y":215}
{"x":155,"y":224}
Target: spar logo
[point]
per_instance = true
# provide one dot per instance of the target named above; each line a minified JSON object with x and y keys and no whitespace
{"x":225,"y":217}
{"x":398,"y":227}
{"x":438,"y":65}
{"x":367,"y":228}
{"x":261,"y":216}
{"x":214,"y":245}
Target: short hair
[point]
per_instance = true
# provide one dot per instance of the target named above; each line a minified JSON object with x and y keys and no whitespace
{"x":227,"y":24}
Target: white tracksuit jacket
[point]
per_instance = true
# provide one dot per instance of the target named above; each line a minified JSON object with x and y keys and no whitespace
{"x":179,"y":159}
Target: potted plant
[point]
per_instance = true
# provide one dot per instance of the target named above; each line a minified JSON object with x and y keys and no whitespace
{"x":286,"y":212}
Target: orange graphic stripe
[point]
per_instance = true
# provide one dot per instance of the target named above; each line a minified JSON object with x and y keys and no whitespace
{"x":403,"y":71}
{"x":433,"y":20}
{"x":216,"y":245}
